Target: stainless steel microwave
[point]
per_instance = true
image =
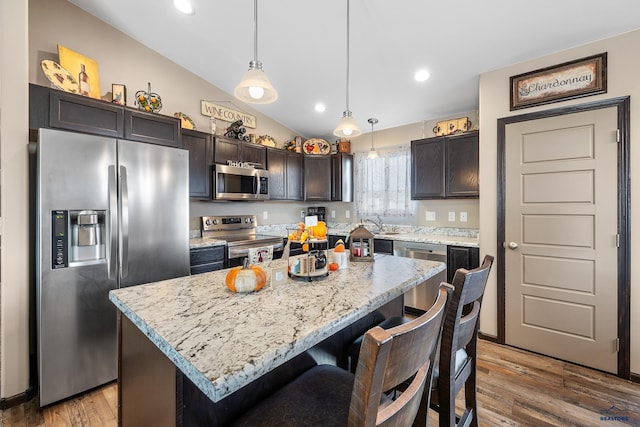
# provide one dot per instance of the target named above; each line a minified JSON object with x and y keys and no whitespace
{"x":240,"y":183}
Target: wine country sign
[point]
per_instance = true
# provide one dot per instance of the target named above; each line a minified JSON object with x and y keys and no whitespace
{"x":219,"y":112}
{"x":574,"y":79}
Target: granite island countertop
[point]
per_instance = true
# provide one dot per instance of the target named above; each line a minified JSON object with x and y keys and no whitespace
{"x":222,"y":341}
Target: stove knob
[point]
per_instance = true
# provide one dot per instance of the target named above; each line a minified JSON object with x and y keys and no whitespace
{"x":246,"y":220}
{"x":215,"y":222}
{"x":208,"y":222}
{"x":251,"y":220}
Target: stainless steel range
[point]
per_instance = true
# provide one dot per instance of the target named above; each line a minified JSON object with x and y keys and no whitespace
{"x":240,"y":234}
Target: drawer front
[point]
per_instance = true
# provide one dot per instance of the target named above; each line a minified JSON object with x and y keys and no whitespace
{"x":205,"y":268}
{"x":207,"y":255}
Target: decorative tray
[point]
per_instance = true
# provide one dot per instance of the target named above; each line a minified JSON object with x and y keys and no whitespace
{"x":316,"y":146}
{"x":185,"y":121}
{"x":59,"y":76}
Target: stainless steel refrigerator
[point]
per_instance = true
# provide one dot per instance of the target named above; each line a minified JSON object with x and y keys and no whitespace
{"x":110,"y":213}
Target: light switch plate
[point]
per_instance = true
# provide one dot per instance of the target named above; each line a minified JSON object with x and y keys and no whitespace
{"x":333,"y":214}
{"x":265,"y":215}
{"x":347,"y":214}
{"x":452,"y":216}
{"x":302,"y":214}
{"x":463,"y":216}
{"x":430,"y":216}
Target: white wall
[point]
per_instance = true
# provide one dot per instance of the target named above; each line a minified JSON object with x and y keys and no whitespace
{"x":623,"y":63}
{"x":14,"y":277}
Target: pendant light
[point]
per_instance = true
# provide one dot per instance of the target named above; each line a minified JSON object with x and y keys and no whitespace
{"x":255,"y":87}
{"x":347,"y":127}
{"x":373,"y":154}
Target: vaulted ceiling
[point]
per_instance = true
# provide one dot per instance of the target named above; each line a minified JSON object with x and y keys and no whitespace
{"x":302,"y":45}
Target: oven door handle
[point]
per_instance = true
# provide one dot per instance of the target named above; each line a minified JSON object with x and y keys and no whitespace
{"x":256,"y":185}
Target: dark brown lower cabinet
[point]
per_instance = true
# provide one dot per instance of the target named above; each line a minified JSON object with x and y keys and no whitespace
{"x":207,"y":259}
{"x":461,"y":257}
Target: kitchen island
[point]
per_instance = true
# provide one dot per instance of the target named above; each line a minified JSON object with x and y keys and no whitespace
{"x":221,"y":342}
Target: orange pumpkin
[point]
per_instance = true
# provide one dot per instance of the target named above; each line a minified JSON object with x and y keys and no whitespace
{"x":334,"y":266}
{"x":247,"y":278}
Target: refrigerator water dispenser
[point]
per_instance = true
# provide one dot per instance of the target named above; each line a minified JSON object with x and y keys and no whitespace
{"x":87,"y":236}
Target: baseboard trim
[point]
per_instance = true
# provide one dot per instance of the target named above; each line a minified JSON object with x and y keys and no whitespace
{"x":635,"y":378}
{"x":9,"y":402}
{"x":491,"y":338}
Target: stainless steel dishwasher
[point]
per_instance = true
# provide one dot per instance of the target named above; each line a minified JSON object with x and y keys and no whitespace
{"x":419,"y":299}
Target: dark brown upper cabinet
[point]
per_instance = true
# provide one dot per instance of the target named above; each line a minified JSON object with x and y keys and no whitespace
{"x":237,"y":151}
{"x":317,"y":178}
{"x":286,"y":174}
{"x":200,"y":146}
{"x":445,"y":167}
{"x":342,"y":177}
{"x":51,"y":108}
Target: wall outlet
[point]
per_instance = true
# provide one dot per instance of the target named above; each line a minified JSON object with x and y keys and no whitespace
{"x":333,"y":214}
{"x":463,"y":216}
{"x":430,"y":216}
{"x":265,"y":215}
{"x":302,"y":214}
{"x":452,"y":216}
{"x":347,"y":214}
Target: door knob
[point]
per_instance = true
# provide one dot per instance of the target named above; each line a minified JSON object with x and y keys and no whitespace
{"x":513,"y":245}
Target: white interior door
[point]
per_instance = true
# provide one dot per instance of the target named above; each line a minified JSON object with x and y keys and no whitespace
{"x":561,"y":211}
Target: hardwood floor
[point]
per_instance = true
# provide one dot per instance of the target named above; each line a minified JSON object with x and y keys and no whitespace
{"x":515,"y":388}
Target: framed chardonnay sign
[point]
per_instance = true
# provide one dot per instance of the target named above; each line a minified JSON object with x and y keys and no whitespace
{"x":574,"y":79}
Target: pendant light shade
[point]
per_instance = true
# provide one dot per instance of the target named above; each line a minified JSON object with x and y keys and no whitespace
{"x":373,"y":154}
{"x":347,"y":127}
{"x":255,"y":87}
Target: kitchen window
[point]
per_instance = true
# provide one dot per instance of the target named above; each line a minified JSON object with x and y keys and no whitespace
{"x":382,"y":184}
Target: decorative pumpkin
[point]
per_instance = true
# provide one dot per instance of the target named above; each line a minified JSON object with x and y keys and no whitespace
{"x":247,"y":278}
{"x":320,"y":230}
{"x":334,"y":266}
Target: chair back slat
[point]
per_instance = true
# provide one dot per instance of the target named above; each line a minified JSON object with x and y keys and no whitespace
{"x":393,"y":356}
{"x":467,"y":327}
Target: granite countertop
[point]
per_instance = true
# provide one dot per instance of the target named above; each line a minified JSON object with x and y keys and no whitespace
{"x":222,"y":341}
{"x":445,"y":236}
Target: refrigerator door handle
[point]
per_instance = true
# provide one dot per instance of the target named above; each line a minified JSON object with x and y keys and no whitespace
{"x":124,"y":224}
{"x":112,"y":224}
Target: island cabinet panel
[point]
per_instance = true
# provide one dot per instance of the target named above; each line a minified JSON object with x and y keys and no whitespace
{"x":285,"y":174}
{"x":152,"y":128}
{"x":445,"y":167}
{"x":461,"y":257}
{"x":342,"y":177}
{"x":85,"y":115}
{"x":317,"y":178}
{"x":200,"y":147}
{"x":147,"y":377}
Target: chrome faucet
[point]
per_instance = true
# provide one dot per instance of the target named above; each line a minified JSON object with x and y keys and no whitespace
{"x":377,"y":223}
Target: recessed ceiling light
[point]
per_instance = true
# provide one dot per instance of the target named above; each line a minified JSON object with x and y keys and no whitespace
{"x":320,"y":107}
{"x":184,"y":6}
{"x":421,"y":75}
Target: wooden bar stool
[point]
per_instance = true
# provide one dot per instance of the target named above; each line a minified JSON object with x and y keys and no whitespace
{"x":329,"y":396}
